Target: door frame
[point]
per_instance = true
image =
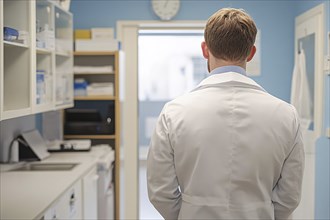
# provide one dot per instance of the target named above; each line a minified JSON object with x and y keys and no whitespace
{"x":127,"y":34}
{"x":303,"y":20}
{"x":306,"y":208}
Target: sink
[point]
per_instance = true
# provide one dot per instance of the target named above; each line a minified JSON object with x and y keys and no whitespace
{"x":46,"y":167}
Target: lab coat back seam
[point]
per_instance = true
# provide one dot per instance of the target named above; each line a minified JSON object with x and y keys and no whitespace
{"x":233,"y":145}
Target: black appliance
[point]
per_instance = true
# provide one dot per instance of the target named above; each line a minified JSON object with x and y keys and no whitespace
{"x":89,"y":122}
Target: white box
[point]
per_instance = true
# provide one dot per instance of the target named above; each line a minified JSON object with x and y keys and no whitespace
{"x":102,"y":33}
{"x":100,"y":89}
{"x":97,"y":45}
{"x":48,"y":37}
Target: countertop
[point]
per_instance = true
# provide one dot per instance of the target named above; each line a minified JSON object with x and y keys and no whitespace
{"x":28,"y":194}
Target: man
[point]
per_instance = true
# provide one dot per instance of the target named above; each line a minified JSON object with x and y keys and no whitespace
{"x":228,"y":149}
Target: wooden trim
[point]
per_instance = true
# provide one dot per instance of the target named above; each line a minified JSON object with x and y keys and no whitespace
{"x":117,"y":144}
{"x":95,"y":53}
{"x":95,"y":97}
{"x":109,"y":73}
{"x":90,"y":136}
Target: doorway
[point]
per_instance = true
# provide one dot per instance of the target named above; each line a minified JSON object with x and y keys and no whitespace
{"x":170,"y":64}
{"x":128,"y":33}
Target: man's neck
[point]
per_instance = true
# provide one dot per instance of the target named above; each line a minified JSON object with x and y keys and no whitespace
{"x":215,"y":63}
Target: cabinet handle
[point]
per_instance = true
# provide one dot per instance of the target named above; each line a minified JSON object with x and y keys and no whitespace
{"x":108,"y":120}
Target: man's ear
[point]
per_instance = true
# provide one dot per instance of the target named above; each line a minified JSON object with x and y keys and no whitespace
{"x":252,"y":52}
{"x":205,"y":50}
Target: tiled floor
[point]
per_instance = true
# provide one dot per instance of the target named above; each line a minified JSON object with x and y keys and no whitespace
{"x":147,"y":211}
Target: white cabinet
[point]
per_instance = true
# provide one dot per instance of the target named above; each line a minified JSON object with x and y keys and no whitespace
{"x":79,"y":202}
{"x":16,"y":59}
{"x":69,"y":206}
{"x":36,"y":70}
{"x":90,"y":182}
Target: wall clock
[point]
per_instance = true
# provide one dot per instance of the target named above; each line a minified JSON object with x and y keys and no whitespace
{"x":165,"y":9}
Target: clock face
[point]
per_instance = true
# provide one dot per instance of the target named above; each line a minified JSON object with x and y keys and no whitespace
{"x":166,"y":9}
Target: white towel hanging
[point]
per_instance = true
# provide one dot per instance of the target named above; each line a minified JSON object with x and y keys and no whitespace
{"x":300,"y":91}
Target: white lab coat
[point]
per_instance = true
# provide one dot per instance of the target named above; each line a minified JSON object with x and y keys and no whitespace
{"x":300,"y":92}
{"x":227,"y":150}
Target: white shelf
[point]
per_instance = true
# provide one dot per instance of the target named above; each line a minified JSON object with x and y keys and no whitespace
{"x":14,"y":44}
{"x":109,"y":73}
{"x":43,"y":51}
{"x":63,"y":53}
{"x":15,"y":113}
{"x":61,"y":105}
{"x":43,"y":107}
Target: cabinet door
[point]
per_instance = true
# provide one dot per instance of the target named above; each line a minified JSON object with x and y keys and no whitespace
{"x":69,"y":206}
{"x":90,"y":195}
{"x":63,"y":58}
{"x":43,"y":94}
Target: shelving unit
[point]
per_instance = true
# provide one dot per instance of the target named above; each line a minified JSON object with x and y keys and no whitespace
{"x":29,"y":70}
{"x":16,"y":88}
{"x":105,"y":104}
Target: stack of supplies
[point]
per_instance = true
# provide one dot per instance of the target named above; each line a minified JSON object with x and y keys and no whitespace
{"x":45,"y":37}
{"x":80,"y":86}
{"x":100,"y":89}
{"x":14,"y":35}
{"x":96,"y":39}
{"x":10,"y":34}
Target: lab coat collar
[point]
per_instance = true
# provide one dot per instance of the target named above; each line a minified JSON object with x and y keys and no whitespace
{"x":228,"y":77}
{"x":230,"y":68}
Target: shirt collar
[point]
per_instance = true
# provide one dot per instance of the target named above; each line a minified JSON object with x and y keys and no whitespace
{"x":224,"y":69}
{"x":228,"y":74}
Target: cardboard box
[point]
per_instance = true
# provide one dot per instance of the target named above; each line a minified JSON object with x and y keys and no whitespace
{"x":82,"y":34}
{"x":97,"y":45}
{"x":102,"y":33}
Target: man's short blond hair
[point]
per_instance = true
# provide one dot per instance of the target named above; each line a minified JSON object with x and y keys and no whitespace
{"x":230,"y":34}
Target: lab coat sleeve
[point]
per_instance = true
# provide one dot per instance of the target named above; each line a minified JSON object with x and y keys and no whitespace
{"x":163,"y":187}
{"x":287,"y":192}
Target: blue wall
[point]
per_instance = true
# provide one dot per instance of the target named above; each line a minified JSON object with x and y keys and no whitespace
{"x":275,"y":19}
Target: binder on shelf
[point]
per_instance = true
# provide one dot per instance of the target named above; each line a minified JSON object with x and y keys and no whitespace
{"x":82,"y":34}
